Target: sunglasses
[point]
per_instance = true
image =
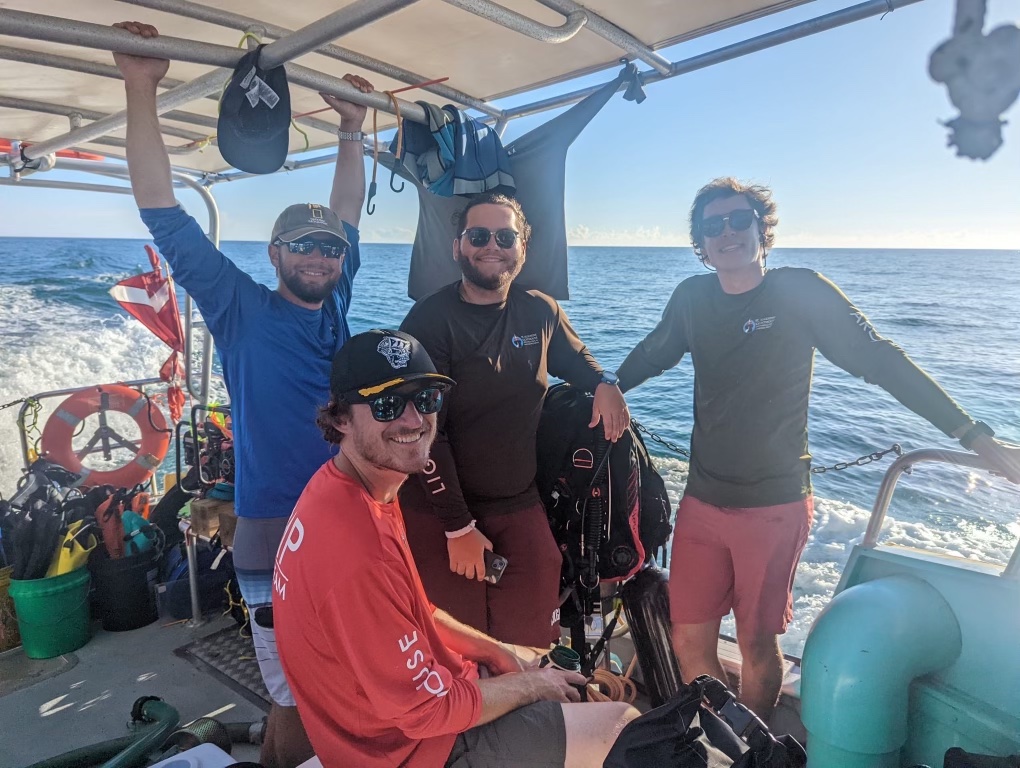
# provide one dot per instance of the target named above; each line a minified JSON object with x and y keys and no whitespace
{"x":331,"y":249}
{"x":739,"y":220}
{"x":389,"y":407}
{"x":479,"y":237}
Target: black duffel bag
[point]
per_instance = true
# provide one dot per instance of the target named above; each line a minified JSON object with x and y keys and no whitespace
{"x":702,"y":726}
{"x":958,"y":758}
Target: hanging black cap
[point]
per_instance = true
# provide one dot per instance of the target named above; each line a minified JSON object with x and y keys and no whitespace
{"x":253,"y":130}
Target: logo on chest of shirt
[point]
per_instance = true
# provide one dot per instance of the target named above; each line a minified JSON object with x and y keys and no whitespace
{"x":758,"y":324}
{"x":526,"y":340}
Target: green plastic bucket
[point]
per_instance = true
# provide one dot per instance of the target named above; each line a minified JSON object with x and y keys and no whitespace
{"x":9,"y":637}
{"x":53,"y":613}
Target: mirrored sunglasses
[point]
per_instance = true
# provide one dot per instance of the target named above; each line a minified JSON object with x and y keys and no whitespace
{"x":331,"y":249}
{"x":479,"y":237}
{"x":739,"y":220}
{"x":389,"y":407}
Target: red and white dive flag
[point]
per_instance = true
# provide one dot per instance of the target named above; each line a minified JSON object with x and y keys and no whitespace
{"x":150,"y":298}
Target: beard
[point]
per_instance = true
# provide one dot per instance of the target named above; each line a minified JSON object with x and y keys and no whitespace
{"x":311,"y":293}
{"x":408,"y":459}
{"x":489,"y":282}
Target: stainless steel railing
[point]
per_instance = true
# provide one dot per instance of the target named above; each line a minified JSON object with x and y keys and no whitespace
{"x":903,"y":464}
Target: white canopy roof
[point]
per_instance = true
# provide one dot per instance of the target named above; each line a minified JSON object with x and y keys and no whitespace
{"x":431,"y":38}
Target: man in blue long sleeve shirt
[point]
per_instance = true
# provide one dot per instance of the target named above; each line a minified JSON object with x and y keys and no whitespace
{"x":275,"y":347}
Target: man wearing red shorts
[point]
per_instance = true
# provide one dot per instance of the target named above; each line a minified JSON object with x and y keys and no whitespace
{"x":747,"y":508}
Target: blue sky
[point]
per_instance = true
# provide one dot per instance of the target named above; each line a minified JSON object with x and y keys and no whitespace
{"x":844,"y":125}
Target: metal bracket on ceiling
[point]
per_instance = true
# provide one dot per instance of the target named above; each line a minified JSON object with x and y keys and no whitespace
{"x":519,"y":23}
{"x":617,"y":36}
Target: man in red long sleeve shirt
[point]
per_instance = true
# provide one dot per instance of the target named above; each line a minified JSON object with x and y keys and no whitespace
{"x":381,"y":677}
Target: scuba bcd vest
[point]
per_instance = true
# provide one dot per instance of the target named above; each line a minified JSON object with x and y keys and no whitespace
{"x":606,"y":503}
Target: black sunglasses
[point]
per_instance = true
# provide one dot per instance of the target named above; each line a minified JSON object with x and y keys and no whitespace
{"x":739,"y":220}
{"x":479,"y":237}
{"x":389,"y":407}
{"x":331,"y":249}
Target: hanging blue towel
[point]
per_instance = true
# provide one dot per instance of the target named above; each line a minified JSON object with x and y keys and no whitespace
{"x":454,"y":154}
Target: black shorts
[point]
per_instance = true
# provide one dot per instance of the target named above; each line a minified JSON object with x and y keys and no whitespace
{"x":530,"y":737}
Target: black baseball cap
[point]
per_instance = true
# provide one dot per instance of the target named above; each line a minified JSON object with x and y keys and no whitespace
{"x":253,"y":129}
{"x":305,"y":219}
{"x":378,"y":360}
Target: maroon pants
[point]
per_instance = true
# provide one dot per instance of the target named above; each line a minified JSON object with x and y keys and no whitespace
{"x":518,"y":609}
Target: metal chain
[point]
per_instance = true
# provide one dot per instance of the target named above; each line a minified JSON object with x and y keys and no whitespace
{"x":13,"y":403}
{"x":860,"y":462}
{"x":838,"y":467}
{"x":660,"y":440}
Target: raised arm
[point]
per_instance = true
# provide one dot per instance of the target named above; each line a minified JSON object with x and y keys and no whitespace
{"x":847,"y":338}
{"x":148,"y":162}
{"x":348,"y":193}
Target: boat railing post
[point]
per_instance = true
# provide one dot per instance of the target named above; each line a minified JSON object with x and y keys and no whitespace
{"x":1012,"y":569}
{"x":191,"y":551}
{"x":901,"y":465}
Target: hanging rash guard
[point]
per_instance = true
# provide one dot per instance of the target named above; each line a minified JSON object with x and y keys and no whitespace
{"x":500,"y":355}
{"x":753,"y":355}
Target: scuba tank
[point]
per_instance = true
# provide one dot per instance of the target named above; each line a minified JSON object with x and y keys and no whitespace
{"x":646,"y":605}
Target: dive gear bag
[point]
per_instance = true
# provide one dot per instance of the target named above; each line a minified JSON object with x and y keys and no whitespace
{"x":703,"y":726}
{"x":607,"y":504}
{"x":215,"y":567}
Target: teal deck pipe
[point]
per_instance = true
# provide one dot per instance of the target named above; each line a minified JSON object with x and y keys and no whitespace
{"x":863,"y":652}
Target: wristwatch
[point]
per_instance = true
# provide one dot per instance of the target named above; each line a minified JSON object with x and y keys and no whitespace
{"x":977,"y":429}
{"x":350,"y":135}
{"x":610,"y":378}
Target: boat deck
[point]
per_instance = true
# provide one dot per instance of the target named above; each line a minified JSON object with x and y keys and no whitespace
{"x":50,"y":707}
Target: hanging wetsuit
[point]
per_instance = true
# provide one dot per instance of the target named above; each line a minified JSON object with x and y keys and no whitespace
{"x":538,"y":162}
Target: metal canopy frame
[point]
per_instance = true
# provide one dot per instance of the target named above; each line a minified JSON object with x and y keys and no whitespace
{"x":289,"y":44}
{"x":317,"y":36}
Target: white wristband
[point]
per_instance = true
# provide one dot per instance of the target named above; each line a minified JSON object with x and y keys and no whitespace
{"x":461,"y":532}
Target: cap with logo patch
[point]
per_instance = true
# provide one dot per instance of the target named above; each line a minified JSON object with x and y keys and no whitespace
{"x":305,"y":219}
{"x":375,"y":361}
{"x":253,"y":128}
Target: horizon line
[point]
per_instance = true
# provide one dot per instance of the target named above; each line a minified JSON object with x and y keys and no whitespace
{"x":570,"y":245}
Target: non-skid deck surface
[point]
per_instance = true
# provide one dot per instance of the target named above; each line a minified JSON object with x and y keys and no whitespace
{"x":230,"y":656}
{"x":17,"y":671}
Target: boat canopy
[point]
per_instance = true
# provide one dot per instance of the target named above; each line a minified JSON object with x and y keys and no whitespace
{"x":58,"y":72}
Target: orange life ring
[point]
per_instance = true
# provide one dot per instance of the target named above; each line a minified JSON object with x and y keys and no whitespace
{"x":62,"y":423}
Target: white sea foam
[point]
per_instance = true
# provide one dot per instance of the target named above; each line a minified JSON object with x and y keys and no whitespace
{"x":838,"y":526}
{"x":51,"y":347}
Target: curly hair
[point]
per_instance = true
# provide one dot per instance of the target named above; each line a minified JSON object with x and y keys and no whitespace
{"x":758,"y":195}
{"x":329,"y":416}
{"x":489,"y":198}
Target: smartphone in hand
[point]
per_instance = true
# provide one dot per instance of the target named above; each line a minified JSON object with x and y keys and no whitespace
{"x":494,"y":566}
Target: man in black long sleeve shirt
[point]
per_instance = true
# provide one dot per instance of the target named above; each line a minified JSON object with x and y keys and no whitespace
{"x":747,"y":507}
{"x":478,"y":492}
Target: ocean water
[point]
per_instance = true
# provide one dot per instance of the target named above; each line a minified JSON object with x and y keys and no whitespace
{"x":955,"y":312}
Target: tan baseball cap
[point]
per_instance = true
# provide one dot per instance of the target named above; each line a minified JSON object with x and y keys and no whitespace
{"x":303,"y":219}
